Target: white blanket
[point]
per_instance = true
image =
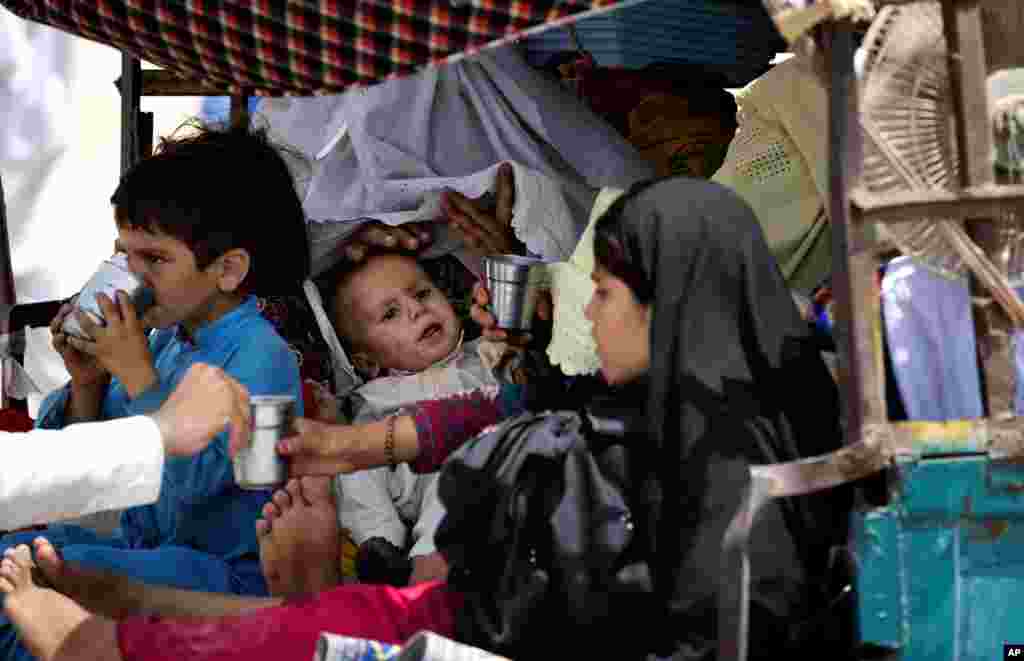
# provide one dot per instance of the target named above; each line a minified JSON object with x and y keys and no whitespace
{"x":380,"y":151}
{"x":386,"y":152}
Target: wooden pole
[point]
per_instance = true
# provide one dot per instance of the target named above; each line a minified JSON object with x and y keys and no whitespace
{"x":239,"y":110}
{"x":962,"y":25}
{"x":854,"y":270}
{"x":130,"y":86}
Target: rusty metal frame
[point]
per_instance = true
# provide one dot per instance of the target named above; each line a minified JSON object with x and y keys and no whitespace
{"x":873,"y":442}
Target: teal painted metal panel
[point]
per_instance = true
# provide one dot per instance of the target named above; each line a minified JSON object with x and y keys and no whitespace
{"x":876,"y":538}
{"x":941,"y":569}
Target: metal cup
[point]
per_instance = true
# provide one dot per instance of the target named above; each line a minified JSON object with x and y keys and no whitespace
{"x":259,"y":466}
{"x":111,"y":276}
{"x":514,"y":283}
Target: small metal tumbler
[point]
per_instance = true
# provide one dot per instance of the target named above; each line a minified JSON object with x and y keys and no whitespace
{"x":259,"y":466}
{"x":112,"y":275}
{"x":513,"y":283}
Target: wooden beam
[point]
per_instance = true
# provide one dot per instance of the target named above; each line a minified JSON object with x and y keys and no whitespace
{"x":239,"y":111}
{"x":986,"y":202}
{"x":1003,"y":24}
{"x":854,"y":268}
{"x":965,"y":43}
{"x":129,"y":85}
{"x":967,"y":80}
{"x":881,"y":443}
{"x":159,"y":82}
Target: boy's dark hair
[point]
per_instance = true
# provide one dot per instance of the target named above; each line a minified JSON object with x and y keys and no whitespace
{"x":218,"y":189}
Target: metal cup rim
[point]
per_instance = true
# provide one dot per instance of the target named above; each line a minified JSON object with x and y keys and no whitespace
{"x":271,"y":400}
{"x":517,"y":260}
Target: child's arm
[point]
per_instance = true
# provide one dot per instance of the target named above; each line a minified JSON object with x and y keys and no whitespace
{"x":423,"y":440}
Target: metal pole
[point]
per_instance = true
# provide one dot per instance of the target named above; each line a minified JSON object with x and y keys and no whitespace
{"x":239,"y":110}
{"x":854,"y":331}
{"x":130,"y":86}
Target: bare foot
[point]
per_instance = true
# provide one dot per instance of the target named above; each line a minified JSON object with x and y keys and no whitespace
{"x":49,"y":624}
{"x":98,"y":591}
{"x":299,"y":537}
{"x":48,"y":561}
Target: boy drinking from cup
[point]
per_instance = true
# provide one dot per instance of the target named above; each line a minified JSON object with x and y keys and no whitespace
{"x":206,"y":223}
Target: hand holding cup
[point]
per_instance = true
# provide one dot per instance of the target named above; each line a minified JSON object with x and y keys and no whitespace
{"x":481,"y":313}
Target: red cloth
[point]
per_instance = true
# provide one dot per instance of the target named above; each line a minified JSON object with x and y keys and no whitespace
{"x":442,"y":425}
{"x":300,"y":48}
{"x":13,"y":420}
{"x":290,"y":631}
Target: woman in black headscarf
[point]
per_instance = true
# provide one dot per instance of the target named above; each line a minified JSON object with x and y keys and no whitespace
{"x":733,"y":379}
{"x":694,"y":325}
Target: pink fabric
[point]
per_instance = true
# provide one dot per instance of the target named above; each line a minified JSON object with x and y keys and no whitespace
{"x":289,"y":632}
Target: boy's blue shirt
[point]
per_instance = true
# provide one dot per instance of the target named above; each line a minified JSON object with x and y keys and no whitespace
{"x":200,"y":506}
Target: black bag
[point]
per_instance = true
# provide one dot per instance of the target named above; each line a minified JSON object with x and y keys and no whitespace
{"x":539,"y":535}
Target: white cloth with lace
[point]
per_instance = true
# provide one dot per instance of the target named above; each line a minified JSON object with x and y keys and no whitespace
{"x":386,"y":152}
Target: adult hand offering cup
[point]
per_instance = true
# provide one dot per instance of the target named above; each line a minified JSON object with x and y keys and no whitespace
{"x":259,"y":466}
{"x":483,"y":315}
{"x":205,"y":402}
{"x":513,"y":284}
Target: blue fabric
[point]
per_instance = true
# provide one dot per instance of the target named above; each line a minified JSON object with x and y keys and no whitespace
{"x":167,"y":565}
{"x":218,"y":108}
{"x":930,"y":330}
{"x":1018,"y":353}
{"x":200,"y":508}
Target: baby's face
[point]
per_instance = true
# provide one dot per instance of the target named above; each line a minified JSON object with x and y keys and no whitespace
{"x":396,"y":314}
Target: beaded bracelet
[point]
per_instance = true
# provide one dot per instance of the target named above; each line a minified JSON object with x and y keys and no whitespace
{"x":389,"y":440}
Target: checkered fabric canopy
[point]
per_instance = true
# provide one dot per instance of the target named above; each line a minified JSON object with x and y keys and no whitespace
{"x":300,"y":47}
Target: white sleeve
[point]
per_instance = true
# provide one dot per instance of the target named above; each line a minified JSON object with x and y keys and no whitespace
{"x":47,"y":475}
{"x":366,"y":507}
{"x":431,"y":514}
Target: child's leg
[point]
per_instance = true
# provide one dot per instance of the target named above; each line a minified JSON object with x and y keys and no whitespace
{"x":51,"y":625}
{"x":11,"y":649}
{"x":174,"y":566}
{"x":94,"y":590}
{"x":290,"y":631}
{"x":300,"y":540}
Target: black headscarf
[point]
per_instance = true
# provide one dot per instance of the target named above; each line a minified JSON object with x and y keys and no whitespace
{"x":735,"y":380}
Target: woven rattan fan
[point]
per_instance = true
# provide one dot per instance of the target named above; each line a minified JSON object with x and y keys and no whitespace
{"x":910,"y":142}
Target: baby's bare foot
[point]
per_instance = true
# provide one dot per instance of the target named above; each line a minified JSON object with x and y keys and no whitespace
{"x":299,"y":536}
{"x":16,"y":572}
{"x":276,"y":572}
{"x":48,"y":622}
{"x":49,"y":562}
